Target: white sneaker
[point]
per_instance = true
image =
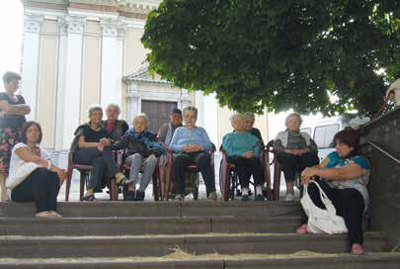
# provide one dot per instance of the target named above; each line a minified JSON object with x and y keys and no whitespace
{"x":45,"y":215}
{"x":56,"y":214}
{"x":213,"y":196}
{"x":179,"y":198}
{"x":289,"y":197}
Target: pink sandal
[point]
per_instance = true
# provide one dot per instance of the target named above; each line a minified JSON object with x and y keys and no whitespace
{"x":357,"y":249}
{"x":303,"y":229}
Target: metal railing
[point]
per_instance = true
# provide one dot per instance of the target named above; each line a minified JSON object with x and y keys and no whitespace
{"x":384,"y":152}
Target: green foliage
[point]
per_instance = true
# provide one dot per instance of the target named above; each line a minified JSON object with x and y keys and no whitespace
{"x":278,"y":54}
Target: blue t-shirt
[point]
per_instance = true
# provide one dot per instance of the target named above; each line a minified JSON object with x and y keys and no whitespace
{"x":237,"y":144}
{"x":360,"y":183}
{"x":184,"y":136}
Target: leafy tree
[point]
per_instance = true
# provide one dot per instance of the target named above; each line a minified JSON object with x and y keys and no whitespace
{"x":278,"y":54}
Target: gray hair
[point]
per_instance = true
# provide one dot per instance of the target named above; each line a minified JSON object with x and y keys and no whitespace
{"x":144,"y":116}
{"x":9,"y":76}
{"x":232,"y":117}
{"x":249,"y":115}
{"x":114,"y":106}
{"x":189,"y":108}
{"x":94,"y":108}
{"x":294,"y":114}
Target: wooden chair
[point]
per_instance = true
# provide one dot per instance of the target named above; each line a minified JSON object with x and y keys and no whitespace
{"x":277,"y":169}
{"x":85,"y":173}
{"x":278,"y":172}
{"x":227,"y":175}
{"x":158,"y":172}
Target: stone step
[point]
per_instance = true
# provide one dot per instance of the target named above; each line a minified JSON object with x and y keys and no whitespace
{"x":160,"y":209}
{"x":160,"y":245}
{"x":147,"y":225}
{"x":296,"y":261}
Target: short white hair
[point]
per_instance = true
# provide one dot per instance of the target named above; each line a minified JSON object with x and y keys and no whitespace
{"x":144,"y":116}
{"x":236,"y":114}
{"x":295,"y":115}
{"x":249,"y":115}
{"x":190,"y":108}
{"x":114,"y":106}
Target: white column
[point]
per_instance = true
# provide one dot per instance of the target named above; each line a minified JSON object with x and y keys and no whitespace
{"x":185,"y":99}
{"x":210,"y":117}
{"x":199,"y":104}
{"x":32,"y":25}
{"x":111,"y":63}
{"x":61,"y":92}
{"x":73,"y":71}
{"x":133,"y":102}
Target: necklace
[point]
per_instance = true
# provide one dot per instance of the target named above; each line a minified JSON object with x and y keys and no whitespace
{"x":95,"y":128}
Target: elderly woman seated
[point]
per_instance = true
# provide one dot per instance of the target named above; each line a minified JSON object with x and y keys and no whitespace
{"x":113,"y":125}
{"x":91,"y":146}
{"x":296,"y":150}
{"x":32,"y":176}
{"x":243,"y":150}
{"x":344,"y":176}
{"x":141,"y":150}
{"x":191,"y":145}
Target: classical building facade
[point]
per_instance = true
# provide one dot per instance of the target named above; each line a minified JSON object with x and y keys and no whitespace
{"x":82,"y":52}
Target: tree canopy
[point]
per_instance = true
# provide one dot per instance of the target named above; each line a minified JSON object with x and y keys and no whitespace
{"x":299,"y":54}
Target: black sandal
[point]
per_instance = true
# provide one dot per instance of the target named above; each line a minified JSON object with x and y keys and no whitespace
{"x":89,"y":198}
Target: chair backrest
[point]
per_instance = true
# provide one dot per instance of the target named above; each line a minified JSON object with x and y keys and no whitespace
{"x":221,"y":149}
{"x":70,"y":159}
{"x":72,"y":165}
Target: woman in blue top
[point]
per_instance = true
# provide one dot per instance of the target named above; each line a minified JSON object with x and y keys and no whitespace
{"x":191,"y":143}
{"x":344,"y":178}
{"x":243,"y":150}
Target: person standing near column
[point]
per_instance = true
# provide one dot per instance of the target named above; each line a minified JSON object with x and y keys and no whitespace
{"x":12,"y":116}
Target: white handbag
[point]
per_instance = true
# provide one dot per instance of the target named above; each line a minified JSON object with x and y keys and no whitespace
{"x":23,"y":171}
{"x":322,"y":220}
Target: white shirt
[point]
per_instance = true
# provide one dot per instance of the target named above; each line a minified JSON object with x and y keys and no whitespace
{"x":21,"y":169}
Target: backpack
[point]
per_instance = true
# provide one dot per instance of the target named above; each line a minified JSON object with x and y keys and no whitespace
{"x":322,"y":220}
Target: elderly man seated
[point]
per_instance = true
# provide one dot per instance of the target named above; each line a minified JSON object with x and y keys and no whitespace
{"x":167,"y":130}
{"x":191,"y":144}
{"x":243,"y":150}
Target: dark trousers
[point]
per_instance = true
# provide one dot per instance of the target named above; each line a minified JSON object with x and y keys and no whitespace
{"x":245,"y":168}
{"x":41,"y":187}
{"x":349,"y":204}
{"x":291,"y":163}
{"x":102,"y":162}
{"x":202,"y":160}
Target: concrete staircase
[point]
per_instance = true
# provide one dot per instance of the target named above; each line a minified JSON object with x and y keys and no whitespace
{"x":177,"y":235}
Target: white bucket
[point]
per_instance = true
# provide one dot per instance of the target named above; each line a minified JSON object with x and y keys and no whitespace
{"x":397,"y":96}
{"x":395,"y":87}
